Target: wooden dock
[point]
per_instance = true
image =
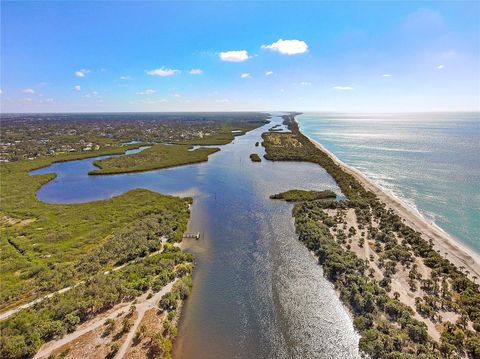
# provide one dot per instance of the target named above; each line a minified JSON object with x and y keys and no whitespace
{"x":192,"y":235}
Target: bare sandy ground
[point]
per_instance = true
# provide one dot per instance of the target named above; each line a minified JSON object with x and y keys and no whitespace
{"x":142,"y":305}
{"x":457,"y":253}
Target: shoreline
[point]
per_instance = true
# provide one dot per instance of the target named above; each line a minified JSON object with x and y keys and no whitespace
{"x":457,"y":253}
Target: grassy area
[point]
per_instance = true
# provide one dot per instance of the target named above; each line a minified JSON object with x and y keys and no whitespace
{"x":296,"y":195}
{"x":255,"y":158}
{"x":155,"y":157}
{"x":226,"y":134}
{"x":42,"y":244}
{"x":387,"y":326}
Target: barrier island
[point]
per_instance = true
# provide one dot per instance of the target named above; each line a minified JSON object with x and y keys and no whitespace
{"x":407,"y":300}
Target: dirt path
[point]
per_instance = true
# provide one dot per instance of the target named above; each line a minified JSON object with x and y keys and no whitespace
{"x":10,"y":312}
{"x":142,"y":306}
{"x":141,"y":309}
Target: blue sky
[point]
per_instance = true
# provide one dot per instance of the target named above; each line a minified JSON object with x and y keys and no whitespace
{"x":306,"y":56}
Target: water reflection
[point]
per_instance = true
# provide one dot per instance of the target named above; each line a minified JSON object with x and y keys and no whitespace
{"x":258,"y":292}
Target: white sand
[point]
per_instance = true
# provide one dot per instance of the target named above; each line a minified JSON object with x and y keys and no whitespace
{"x":457,"y":253}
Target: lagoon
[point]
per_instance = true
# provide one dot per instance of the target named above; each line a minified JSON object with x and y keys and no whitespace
{"x":258,"y":292}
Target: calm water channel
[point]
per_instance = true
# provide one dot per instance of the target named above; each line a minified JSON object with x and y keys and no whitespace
{"x":258,"y":292}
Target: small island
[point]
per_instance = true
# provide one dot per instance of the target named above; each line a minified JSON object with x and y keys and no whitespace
{"x":155,"y":157}
{"x":255,"y":158}
{"x":297,"y":195}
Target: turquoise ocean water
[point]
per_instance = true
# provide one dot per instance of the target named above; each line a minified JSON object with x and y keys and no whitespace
{"x":431,"y":161}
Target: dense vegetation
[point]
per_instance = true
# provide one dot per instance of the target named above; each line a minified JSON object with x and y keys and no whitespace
{"x":255,"y":157}
{"x":296,"y":195}
{"x":155,"y":157}
{"x":387,"y":327}
{"x":42,"y":244}
{"x":38,"y":135}
{"x":46,"y":247}
{"x":26,"y":331}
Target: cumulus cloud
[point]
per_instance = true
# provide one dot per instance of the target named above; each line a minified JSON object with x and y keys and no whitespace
{"x":234,"y":56}
{"x":146,"y":92}
{"x":81,"y":72}
{"x":288,"y":47}
{"x":125,"y":77}
{"x":268,"y":73}
{"x":440,"y":67}
{"x":28,"y":91}
{"x":342,"y":88}
{"x":77,"y":88}
{"x":245,"y":75}
{"x":195,"y":72}
{"x":386,"y":75}
{"x":163,"y":72}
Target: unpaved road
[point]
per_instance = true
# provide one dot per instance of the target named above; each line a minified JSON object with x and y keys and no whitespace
{"x":142,"y":306}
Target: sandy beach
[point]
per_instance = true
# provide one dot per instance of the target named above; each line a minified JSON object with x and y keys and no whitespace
{"x":453,"y":249}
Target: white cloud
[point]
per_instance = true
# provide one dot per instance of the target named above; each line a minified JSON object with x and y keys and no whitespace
{"x":146,"y":92}
{"x":1,"y":92}
{"x":163,"y":72}
{"x":28,"y":91}
{"x":305,"y":83}
{"x":177,"y":95}
{"x":268,"y":73}
{"x":77,"y":88}
{"x":224,"y":100}
{"x":234,"y":56}
{"x":195,"y":72}
{"x":81,"y":72}
{"x":342,"y":88}
{"x":125,"y":77}
{"x":282,"y":90}
{"x":440,"y":67}
{"x":386,"y":75}
{"x":103,"y":69}
{"x":288,"y":47}
{"x":94,"y":93}
{"x":245,"y":75}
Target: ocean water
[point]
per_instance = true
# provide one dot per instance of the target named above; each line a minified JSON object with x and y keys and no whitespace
{"x":431,"y":161}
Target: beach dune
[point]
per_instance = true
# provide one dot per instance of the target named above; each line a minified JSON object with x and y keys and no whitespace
{"x":448,"y":246}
